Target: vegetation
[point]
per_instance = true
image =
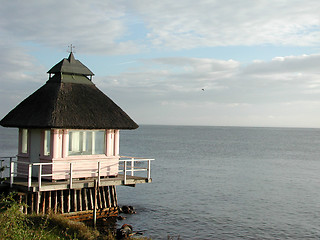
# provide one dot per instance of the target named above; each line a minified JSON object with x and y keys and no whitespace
{"x":16,"y":225}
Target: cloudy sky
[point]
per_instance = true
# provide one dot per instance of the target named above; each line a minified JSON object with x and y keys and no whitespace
{"x":186,"y":62}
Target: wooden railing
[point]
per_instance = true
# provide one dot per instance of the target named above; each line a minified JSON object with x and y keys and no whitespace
{"x":127,"y":165}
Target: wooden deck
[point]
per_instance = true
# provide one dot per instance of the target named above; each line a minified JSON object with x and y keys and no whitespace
{"x":22,"y":184}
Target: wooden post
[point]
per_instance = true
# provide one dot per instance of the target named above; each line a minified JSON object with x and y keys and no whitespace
{"x":68,"y":200}
{"x":99,"y":166}
{"x":132,"y":166}
{"x":38,"y":202}
{"x":95,"y":203}
{"x":61,"y":201}
{"x":115,"y":196}
{"x":49,"y":203}
{"x":149,"y":170}
{"x":125,"y":173}
{"x":70,"y":175}
{"x":25,"y":207}
{"x":32,"y":202}
{"x":80,"y":200}
{"x":11,"y":171}
{"x":44,"y":196}
{"x":103,"y":196}
{"x":108,"y":197}
{"x":75,"y":203}
{"x":29,"y":176}
{"x":99,"y":198}
{"x":55,"y":202}
{"x":85,"y":199}
{"x":112,"y":196}
{"x":39,"y":176}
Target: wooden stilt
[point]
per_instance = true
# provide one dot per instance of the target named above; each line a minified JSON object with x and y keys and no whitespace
{"x":99,"y":199}
{"x":92,"y":198}
{"x":32,"y":203}
{"x":43,"y":200}
{"x":38,"y":202}
{"x":68,"y":200}
{"x":115,"y":196}
{"x":48,"y":210}
{"x":102,"y":198}
{"x":74,"y":201}
{"x":25,"y":207}
{"x":108,"y":197}
{"x":55,"y":210}
{"x":62,"y":202}
{"x":96,"y":186}
{"x":111,"y":196}
{"x":80,"y":199}
{"x":85,"y":207}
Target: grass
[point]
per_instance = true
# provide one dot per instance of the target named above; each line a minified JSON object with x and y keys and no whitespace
{"x":16,"y":225}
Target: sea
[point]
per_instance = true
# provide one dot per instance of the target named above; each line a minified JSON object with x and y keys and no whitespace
{"x":220,"y":182}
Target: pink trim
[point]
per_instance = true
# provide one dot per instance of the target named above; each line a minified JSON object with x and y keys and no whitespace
{"x":65,"y":143}
{"x":56,"y":143}
{"x":116,"y":142}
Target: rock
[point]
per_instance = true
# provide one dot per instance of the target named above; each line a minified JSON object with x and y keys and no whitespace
{"x":127,"y":210}
{"x":121,"y":218}
{"x":124,"y":231}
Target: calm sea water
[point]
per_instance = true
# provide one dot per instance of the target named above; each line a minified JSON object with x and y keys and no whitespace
{"x":221,"y":182}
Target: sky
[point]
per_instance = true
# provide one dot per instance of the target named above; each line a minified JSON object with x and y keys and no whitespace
{"x":183,"y":62}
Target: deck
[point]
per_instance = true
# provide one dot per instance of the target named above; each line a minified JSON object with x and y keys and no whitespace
{"x":128,"y":169}
{"x":21,"y":184}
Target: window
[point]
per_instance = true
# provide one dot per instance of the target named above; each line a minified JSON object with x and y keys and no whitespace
{"x":86,"y":142}
{"x":47,"y":142}
{"x":24,"y":141}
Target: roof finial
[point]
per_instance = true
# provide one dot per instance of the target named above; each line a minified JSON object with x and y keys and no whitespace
{"x":71,"y":47}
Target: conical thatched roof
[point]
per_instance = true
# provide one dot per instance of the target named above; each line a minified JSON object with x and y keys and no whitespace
{"x":68,"y":100}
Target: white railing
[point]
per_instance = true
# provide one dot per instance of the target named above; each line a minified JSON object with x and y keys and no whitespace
{"x":128,"y":165}
{"x":4,"y":164}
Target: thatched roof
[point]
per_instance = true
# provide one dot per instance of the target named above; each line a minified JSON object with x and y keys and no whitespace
{"x":69,"y":101}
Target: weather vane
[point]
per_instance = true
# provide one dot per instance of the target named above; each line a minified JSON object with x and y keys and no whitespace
{"x":71,"y":47}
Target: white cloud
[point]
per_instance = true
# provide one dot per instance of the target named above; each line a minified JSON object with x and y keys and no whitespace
{"x":186,"y":24}
{"x":112,"y":27}
{"x":249,"y":94}
{"x":93,"y":26}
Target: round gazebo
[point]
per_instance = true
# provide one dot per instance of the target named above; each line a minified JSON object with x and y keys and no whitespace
{"x":69,"y":134}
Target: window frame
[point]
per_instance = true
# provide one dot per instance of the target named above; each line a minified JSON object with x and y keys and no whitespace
{"x":84,"y":143}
